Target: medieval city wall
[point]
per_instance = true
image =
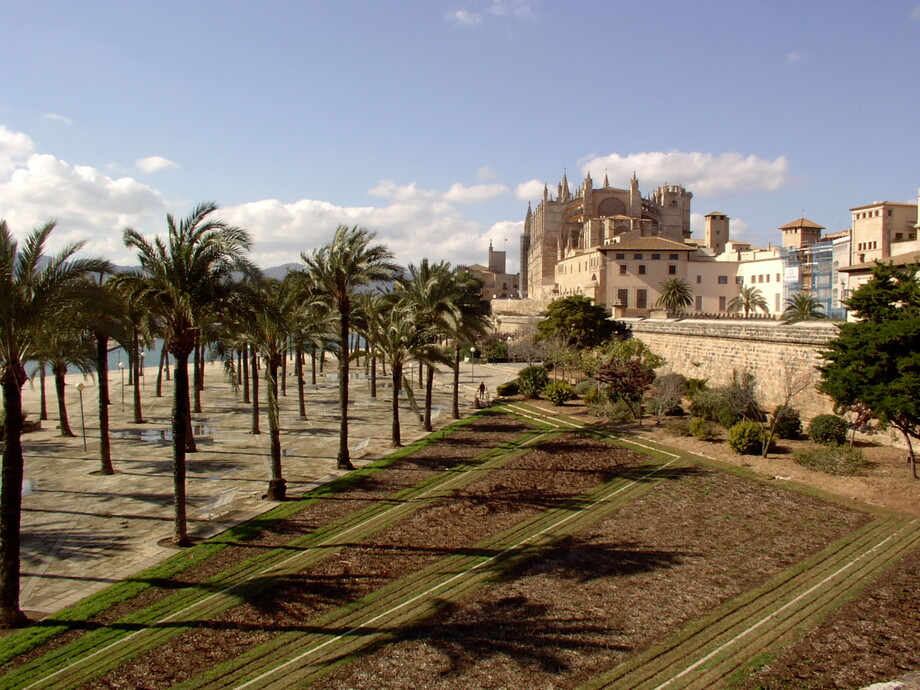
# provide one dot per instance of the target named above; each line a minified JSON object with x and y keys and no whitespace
{"x":777,"y":355}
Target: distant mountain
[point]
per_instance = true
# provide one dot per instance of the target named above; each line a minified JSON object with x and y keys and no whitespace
{"x":278,"y":272}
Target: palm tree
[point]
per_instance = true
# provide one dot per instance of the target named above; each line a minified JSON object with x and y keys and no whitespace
{"x":803,"y":307}
{"x":337,"y":270}
{"x":34,"y":288}
{"x":748,"y":301}
{"x":61,"y":345}
{"x":431,"y":297}
{"x":473,"y":323}
{"x":676,"y":295}
{"x":183,"y":276}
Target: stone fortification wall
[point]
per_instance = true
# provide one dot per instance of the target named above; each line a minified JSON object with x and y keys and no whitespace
{"x":773,"y":353}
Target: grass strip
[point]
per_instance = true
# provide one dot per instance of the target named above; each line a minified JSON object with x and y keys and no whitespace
{"x":786,"y":624}
{"x":385,"y":613}
{"x":157,"y":624}
{"x":657,"y":664}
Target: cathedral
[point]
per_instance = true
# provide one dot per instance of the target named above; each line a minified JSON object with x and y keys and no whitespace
{"x":572,"y":224}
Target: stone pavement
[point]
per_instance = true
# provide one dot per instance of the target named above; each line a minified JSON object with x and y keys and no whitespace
{"x":82,"y":531}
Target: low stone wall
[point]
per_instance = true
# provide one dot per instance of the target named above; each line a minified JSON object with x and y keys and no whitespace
{"x":774,"y":353}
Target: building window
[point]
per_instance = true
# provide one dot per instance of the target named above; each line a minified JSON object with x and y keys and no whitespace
{"x":777,"y":277}
{"x":767,"y":277}
{"x":739,"y":280}
{"x":641,"y":269}
{"x":672,"y":270}
{"x":641,"y":299}
{"x":623,"y":297}
{"x":619,"y":257}
{"x":723,"y":280}
{"x":722,"y":301}
{"x":622,"y":269}
{"x":656,"y":257}
{"x":637,"y":256}
{"x":699,"y":303}
{"x":699,"y":280}
{"x":673,"y":257}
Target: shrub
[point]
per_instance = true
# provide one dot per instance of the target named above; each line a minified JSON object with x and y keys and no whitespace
{"x":789,"y":424}
{"x":558,"y":392}
{"x":678,"y":427}
{"x":695,"y":386}
{"x":703,"y":429}
{"x":714,"y":406}
{"x":532,"y":380}
{"x":746,"y":438}
{"x":507,"y":388}
{"x":828,"y":430}
{"x":836,"y":460}
{"x":582,"y":387}
{"x":593,"y":397}
{"x":618,"y":411}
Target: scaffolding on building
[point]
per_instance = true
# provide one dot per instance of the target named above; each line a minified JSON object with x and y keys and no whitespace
{"x":811,"y":270}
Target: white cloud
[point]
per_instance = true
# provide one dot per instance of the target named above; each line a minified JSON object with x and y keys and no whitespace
{"x":915,"y":14}
{"x":486,"y":173}
{"x":461,"y":194}
{"x":704,"y":174}
{"x":58,"y":118}
{"x":152,"y":164}
{"x":464,"y":17}
{"x":88,"y":204}
{"x":516,"y":8}
{"x":532,"y":190}
{"x":795,"y":56}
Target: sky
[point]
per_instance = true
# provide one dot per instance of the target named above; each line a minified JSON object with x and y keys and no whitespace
{"x":434,"y":123}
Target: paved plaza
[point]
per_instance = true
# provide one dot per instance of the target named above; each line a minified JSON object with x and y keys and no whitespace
{"x":82,"y":531}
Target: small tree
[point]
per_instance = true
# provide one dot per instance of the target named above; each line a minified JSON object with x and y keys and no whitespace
{"x":875,"y":362}
{"x":803,"y":307}
{"x":578,"y":323}
{"x":532,"y":380}
{"x":666,"y":394}
{"x":748,"y":301}
{"x":676,"y":295}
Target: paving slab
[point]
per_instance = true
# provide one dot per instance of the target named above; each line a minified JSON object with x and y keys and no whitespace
{"x":82,"y":531}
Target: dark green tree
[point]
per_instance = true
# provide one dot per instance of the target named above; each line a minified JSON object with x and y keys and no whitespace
{"x":875,"y":362}
{"x":578,"y":323}
{"x":748,"y":301}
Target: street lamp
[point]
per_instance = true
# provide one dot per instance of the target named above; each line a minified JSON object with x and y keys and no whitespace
{"x":121,"y":365}
{"x":472,"y":363}
{"x":80,"y":388}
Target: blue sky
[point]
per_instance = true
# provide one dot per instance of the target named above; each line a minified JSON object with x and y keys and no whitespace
{"x":433,"y":123}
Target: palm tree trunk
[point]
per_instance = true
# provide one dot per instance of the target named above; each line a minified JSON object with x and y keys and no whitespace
{"x":373,"y":377}
{"x":254,"y":366}
{"x":11,"y":616}
{"x":313,"y":365}
{"x":166,"y":362}
{"x":343,"y":460}
{"x":181,"y":420}
{"x":160,"y":368}
{"x":138,"y":416}
{"x":197,"y":379}
{"x":43,"y":402}
{"x":301,"y":384}
{"x":102,"y":374}
{"x":277,"y":487}
{"x":395,"y":435}
{"x":284,"y":376}
{"x":429,"y":384}
{"x":456,"y":391}
{"x":245,"y":358}
{"x":60,"y":383}
{"x":239,"y":367}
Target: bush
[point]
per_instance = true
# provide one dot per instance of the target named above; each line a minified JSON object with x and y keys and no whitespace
{"x":695,"y":386}
{"x":507,"y":388}
{"x":714,"y":406}
{"x":532,"y":380}
{"x":789,"y":424}
{"x":746,"y":438}
{"x":582,"y":387}
{"x":558,"y":392}
{"x":593,"y":397}
{"x":618,"y":411}
{"x":837,"y":460}
{"x":703,"y":430}
{"x":678,"y":427}
{"x":828,"y":430}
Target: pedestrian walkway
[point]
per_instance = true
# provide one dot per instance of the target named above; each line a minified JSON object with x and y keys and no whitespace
{"x":82,"y":531}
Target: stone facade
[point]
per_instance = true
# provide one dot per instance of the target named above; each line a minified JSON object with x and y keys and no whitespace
{"x":716,"y":350}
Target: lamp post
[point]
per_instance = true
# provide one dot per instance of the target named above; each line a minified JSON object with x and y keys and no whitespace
{"x":80,"y":388}
{"x":472,"y":364}
{"x":508,"y":348}
{"x":121,"y":365}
